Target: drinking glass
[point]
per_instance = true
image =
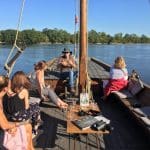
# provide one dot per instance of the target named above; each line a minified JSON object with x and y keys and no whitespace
{"x":70,"y":116}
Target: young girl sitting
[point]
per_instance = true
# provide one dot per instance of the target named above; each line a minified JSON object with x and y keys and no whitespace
{"x":118,"y":77}
{"x":16,"y":101}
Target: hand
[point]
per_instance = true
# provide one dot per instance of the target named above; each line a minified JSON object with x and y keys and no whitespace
{"x":44,"y":98}
{"x":62,"y":104}
{"x":12,"y":131}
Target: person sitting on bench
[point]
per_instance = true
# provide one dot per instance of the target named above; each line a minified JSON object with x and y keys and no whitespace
{"x":37,"y":80}
{"x":68,"y":67}
{"x":118,"y":77}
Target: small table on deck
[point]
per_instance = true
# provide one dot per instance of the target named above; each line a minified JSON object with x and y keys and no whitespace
{"x":73,"y":129}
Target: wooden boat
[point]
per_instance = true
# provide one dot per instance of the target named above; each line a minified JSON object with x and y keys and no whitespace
{"x":130,"y":130}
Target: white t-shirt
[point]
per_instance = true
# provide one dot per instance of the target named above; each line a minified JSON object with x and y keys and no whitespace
{"x":118,"y":73}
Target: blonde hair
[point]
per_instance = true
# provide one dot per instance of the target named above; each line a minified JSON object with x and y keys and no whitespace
{"x":120,"y":63}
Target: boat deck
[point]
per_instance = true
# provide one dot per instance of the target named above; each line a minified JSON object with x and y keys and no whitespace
{"x":95,"y":71}
{"x":127,"y":134}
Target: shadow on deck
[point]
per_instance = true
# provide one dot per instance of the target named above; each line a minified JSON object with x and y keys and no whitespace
{"x":127,"y":135}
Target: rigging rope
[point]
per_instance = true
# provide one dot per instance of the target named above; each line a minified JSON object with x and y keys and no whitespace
{"x":88,"y":81}
{"x":76,"y":30}
{"x":20,"y":50}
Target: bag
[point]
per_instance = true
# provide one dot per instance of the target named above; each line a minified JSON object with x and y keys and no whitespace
{"x":135,"y":86}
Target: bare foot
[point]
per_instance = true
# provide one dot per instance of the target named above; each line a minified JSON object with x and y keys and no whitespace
{"x":62,"y":104}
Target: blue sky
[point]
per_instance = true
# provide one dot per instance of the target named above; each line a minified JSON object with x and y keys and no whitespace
{"x":110,"y":16}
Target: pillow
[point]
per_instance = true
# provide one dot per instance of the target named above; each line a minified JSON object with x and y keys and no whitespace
{"x":135,"y":86}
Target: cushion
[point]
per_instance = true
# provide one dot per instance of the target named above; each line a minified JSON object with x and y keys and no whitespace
{"x":135,"y":86}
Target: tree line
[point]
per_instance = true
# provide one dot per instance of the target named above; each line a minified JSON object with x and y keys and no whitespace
{"x":32,"y":36}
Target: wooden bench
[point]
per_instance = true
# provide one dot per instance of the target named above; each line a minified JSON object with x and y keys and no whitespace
{"x":129,"y":98}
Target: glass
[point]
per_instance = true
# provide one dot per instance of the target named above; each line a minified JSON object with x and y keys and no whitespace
{"x":70,"y":113}
{"x":93,"y":104}
{"x":74,"y":103}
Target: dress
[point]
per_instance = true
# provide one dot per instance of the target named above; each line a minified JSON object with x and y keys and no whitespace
{"x":14,"y":109}
{"x":118,"y":80}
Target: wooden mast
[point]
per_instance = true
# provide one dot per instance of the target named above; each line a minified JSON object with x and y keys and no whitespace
{"x":83,"y":45}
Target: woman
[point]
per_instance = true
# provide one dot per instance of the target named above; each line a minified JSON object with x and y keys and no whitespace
{"x":37,"y":79}
{"x":10,"y":127}
{"x":16,"y":101}
{"x":4,"y":124}
{"x":118,"y":77}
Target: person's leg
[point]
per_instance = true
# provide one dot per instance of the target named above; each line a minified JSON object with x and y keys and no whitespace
{"x":55,"y":99}
{"x":71,"y":79}
{"x":64,"y":75}
{"x":29,"y":136}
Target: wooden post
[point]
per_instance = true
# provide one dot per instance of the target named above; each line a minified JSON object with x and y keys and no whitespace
{"x":83,"y":45}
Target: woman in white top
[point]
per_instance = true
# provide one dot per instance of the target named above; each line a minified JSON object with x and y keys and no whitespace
{"x":118,"y":77}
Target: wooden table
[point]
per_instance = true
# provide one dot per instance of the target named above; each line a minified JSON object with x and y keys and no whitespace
{"x":73,"y":129}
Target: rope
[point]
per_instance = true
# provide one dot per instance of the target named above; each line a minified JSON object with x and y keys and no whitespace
{"x":88,"y":83}
{"x":76,"y":33}
{"x":15,"y":42}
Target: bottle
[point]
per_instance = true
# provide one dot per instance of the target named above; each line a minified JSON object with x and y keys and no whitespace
{"x":84,"y":98}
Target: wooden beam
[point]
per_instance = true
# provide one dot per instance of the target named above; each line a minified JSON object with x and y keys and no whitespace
{"x":83,"y":45}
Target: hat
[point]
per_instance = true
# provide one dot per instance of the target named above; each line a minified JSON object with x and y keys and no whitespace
{"x":66,"y":51}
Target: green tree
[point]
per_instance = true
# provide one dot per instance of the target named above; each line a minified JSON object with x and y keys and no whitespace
{"x":118,"y":38}
{"x":8,"y":36}
{"x":93,"y":37}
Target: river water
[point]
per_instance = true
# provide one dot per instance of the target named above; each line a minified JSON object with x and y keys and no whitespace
{"x":137,"y":56}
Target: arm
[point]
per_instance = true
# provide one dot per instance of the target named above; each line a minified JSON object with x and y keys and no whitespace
{"x":24,"y":94}
{"x":40,"y":80}
{"x":63,"y":62}
{"x":72,"y":62}
{"x":4,"y":124}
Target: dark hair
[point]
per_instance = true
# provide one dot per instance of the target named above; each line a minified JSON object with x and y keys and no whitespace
{"x":3,"y":82}
{"x":40,"y":65}
{"x":19,"y":81}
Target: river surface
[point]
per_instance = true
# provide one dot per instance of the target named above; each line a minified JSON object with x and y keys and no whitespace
{"x":137,"y":56}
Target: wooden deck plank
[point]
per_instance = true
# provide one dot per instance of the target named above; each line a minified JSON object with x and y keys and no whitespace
{"x":94,"y":71}
{"x":55,"y":136}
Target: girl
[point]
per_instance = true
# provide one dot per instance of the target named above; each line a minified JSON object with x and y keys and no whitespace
{"x":118,"y":77}
{"x":16,"y":101}
{"x":37,"y":79}
{"x":10,"y":127}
